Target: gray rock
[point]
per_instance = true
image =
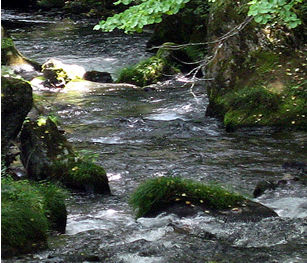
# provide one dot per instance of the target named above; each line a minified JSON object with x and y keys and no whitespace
{"x":97,"y":76}
{"x":16,"y":102}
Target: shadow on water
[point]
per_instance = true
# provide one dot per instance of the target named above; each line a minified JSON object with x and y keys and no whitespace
{"x":143,"y":134}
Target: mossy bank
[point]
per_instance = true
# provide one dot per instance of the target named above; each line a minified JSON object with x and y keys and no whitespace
{"x":259,"y":73}
{"x":28,"y":212}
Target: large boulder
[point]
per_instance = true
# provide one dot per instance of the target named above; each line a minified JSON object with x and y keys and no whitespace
{"x":16,"y":102}
{"x":41,"y":144}
{"x":186,"y":198}
{"x":46,"y":154}
{"x":258,"y":77}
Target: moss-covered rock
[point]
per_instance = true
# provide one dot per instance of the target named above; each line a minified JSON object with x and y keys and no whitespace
{"x":147,"y":72}
{"x":10,"y":56}
{"x":185,"y":197}
{"x":258,"y":73}
{"x":16,"y":102}
{"x":26,"y":214}
{"x":46,"y":154}
{"x":58,"y":74}
{"x":83,"y":175}
{"x":42,"y":144}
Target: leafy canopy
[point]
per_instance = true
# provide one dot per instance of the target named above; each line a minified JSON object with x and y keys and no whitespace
{"x":145,"y":12}
{"x":282,"y":11}
{"x":137,"y":16}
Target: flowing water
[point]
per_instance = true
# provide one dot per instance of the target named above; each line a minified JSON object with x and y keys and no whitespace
{"x":141,"y":134}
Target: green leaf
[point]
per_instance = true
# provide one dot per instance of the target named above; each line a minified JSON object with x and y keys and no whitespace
{"x":96,"y":27}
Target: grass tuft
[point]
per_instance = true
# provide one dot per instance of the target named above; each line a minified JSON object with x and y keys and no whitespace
{"x":167,"y":190}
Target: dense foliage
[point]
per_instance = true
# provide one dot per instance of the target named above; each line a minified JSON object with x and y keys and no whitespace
{"x":275,"y":11}
{"x":146,"y":12}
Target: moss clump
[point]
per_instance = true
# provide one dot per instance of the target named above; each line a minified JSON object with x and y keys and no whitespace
{"x":167,"y":190}
{"x":146,"y":72}
{"x":25,"y":210}
{"x":54,"y":206}
{"x":251,"y":98}
{"x":260,"y":106}
{"x":6,"y":42}
{"x":80,"y":174}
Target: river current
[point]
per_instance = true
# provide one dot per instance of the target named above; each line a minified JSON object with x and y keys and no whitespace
{"x":141,"y":134}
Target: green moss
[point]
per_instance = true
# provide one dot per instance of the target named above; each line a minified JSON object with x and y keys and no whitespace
{"x":146,"y":72}
{"x":54,"y":206}
{"x":259,"y":106}
{"x":251,"y":98}
{"x":167,"y":190}
{"x":262,"y":61}
{"x":28,"y":210}
{"x":6,"y":42}
{"x":24,"y":224}
{"x":81,"y":174}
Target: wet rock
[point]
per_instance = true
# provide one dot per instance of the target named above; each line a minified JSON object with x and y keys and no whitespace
{"x":298,"y":174}
{"x":16,"y":102}
{"x":17,"y":63}
{"x":147,"y":72}
{"x":287,"y":178}
{"x":58,"y":74}
{"x":249,"y":212}
{"x":262,"y":186}
{"x":184,"y":197}
{"x":41,"y":144}
{"x":46,"y":154}
{"x":97,"y":76}
{"x":298,"y":166}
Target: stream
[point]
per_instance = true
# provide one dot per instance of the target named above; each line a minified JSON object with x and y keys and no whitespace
{"x":142,"y":134}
